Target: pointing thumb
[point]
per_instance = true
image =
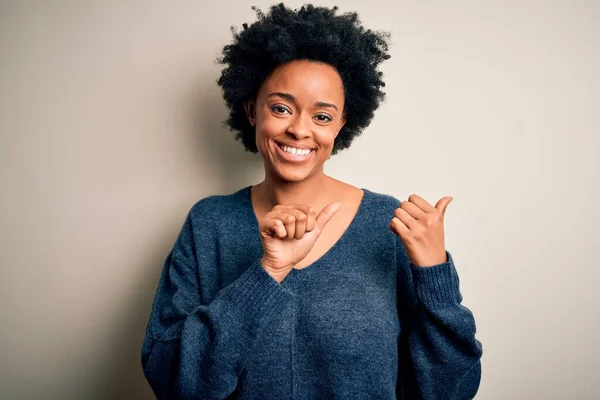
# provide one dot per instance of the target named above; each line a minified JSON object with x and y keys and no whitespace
{"x":326,"y":214}
{"x":443,"y":203}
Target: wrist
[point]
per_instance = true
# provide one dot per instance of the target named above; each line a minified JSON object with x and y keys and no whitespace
{"x":431,"y":262}
{"x":277,"y":272}
{"x":266,"y":262}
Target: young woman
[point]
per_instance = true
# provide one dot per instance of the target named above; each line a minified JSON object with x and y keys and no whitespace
{"x":303,"y":286}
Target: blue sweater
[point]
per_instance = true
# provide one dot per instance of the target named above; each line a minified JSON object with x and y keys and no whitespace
{"x":362,"y":322}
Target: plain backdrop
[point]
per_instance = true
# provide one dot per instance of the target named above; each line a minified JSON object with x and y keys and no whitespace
{"x":111,"y":129}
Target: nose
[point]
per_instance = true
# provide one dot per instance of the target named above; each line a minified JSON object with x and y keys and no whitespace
{"x":299,"y":127}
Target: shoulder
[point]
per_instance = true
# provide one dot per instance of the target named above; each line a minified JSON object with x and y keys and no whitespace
{"x":380,"y":201}
{"x":377,"y":209}
{"x":216,"y":208}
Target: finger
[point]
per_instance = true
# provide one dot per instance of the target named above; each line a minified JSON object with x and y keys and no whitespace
{"x":288,"y":220}
{"x":399,"y":228}
{"x":442,"y":204}
{"x":413,"y":210}
{"x":301,"y":207}
{"x":290,"y":225}
{"x":311,"y":215}
{"x":275,"y":228}
{"x":325,"y":215}
{"x":421,"y":203}
{"x":311,"y":219}
{"x":405,"y":218}
{"x":301,"y":218}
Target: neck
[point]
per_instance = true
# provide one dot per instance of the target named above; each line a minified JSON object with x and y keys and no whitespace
{"x":311,"y":191}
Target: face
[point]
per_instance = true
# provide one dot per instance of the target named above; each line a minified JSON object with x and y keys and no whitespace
{"x":298,"y":113}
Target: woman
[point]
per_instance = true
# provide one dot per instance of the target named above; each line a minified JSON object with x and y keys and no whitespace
{"x":303,"y":286}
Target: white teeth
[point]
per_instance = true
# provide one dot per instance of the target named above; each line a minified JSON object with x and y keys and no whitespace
{"x":296,"y":152}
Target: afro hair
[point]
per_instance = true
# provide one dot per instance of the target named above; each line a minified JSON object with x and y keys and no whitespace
{"x":314,"y":33}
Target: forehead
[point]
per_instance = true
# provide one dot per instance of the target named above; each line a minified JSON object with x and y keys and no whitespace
{"x":306,"y":80}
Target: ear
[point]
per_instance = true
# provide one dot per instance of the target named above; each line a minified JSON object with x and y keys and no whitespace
{"x":342,"y":123}
{"x":250,"y":107}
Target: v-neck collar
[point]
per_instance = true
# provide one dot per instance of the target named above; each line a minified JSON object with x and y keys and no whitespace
{"x":342,"y":239}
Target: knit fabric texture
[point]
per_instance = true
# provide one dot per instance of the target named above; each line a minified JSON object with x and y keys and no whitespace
{"x":361,"y":322}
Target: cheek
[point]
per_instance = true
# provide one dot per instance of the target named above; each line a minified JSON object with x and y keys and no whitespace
{"x":266,"y":129}
{"x":272,"y":126}
{"x":325,"y":137}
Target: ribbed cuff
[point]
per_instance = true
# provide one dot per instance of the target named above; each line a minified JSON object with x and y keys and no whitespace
{"x":438,"y":285}
{"x":256,"y":294}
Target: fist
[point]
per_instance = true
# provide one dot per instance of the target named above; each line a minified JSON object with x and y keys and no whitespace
{"x":288,"y":233}
{"x":420,"y":226}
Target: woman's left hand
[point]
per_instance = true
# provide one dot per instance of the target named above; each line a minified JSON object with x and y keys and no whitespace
{"x":421,"y":228}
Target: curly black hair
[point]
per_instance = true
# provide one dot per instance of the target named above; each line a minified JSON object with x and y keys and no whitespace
{"x":314,"y":33}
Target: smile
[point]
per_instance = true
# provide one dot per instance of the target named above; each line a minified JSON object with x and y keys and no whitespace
{"x":293,"y":154}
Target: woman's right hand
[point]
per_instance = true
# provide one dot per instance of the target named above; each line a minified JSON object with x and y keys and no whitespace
{"x":288,"y":233}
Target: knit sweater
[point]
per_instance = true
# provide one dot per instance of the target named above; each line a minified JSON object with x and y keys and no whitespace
{"x":361,"y":322}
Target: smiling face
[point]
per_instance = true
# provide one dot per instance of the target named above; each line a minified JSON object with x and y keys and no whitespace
{"x":298,"y":113}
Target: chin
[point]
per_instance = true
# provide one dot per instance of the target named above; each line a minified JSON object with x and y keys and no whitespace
{"x":292,"y":176}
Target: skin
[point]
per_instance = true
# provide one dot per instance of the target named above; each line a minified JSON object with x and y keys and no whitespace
{"x":301,"y":104}
{"x":304,"y":121}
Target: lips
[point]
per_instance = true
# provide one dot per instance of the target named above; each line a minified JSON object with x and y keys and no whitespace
{"x":294,"y":154}
{"x":295,"y":146}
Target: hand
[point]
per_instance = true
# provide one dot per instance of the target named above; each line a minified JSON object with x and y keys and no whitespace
{"x":288,"y":234}
{"x":421,"y":228}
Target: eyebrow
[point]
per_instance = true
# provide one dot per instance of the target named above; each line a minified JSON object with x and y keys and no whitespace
{"x":291,"y":97}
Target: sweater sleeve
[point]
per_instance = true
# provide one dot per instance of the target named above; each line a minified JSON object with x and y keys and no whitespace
{"x":439,"y":355}
{"x":194,"y":349}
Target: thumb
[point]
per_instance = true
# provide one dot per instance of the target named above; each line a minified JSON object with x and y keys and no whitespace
{"x":443,"y":203}
{"x":326,"y":214}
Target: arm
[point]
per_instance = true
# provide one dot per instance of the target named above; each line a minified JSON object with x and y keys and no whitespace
{"x":196,"y":350}
{"x":439,"y":355}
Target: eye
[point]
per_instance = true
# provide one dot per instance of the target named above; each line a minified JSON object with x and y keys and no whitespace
{"x":323,"y":118}
{"x":280,"y":109}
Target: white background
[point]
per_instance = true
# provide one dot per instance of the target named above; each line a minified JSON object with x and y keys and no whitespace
{"x":111,"y":129}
